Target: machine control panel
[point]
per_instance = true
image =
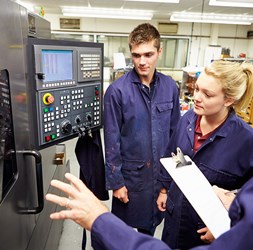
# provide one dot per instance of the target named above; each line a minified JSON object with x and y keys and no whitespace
{"x":68,"y":85}
{"x":67,"y":111}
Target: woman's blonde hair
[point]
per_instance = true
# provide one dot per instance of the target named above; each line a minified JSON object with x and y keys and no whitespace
{"x":236,"y":80}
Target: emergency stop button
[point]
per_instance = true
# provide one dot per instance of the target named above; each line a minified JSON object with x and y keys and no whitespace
{"x":48,"y":98}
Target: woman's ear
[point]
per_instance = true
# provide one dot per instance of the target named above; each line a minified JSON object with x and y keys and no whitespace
{"x":229,"y":102}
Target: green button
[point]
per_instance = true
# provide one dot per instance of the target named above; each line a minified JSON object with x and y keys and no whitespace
{"x":53,"y":136}
{"x":45,"y":110}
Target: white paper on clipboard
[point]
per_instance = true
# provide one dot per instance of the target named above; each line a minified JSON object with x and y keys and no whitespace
{"x":200,"y":194}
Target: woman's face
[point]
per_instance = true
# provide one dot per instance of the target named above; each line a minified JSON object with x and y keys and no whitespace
{"x":209,"y":98}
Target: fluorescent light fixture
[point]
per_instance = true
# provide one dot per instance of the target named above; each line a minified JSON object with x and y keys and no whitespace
{"x":107,"y":13}
{"x":211,"y":18}
{"x":232,"y":3}
{"x":155,"y":1}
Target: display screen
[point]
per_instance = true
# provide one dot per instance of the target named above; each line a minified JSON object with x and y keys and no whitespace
{"x":57,"y":65}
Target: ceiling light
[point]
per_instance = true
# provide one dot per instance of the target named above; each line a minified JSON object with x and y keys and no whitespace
{"x":211,"y":18}
{"x":232,"y":3}
{"x":156,"y":1}
{"x":107,"y":13}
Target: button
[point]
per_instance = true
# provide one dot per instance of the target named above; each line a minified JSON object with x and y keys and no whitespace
{"x":47,"y":138}
{"x":49,"y":99}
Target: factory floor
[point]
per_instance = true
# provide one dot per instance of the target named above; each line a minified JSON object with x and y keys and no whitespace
{"x":71,"y":238}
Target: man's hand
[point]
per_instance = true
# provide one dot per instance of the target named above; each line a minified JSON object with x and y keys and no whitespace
{"x":161,"y":200}
{"x":82,"y":205}
{"x":121,"y":194}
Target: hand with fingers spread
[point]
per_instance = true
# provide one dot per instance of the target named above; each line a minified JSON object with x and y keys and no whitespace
{"x":82,"y":205}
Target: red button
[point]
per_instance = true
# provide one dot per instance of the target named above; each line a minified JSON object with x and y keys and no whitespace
{"x":47,"y":138}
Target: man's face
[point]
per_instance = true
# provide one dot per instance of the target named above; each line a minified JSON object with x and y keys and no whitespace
{"x":145,"y":57}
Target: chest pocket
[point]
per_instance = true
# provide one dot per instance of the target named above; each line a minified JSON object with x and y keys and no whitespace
{"x":220,"y":178}
{"x":133,"y":177}
{"x":163,"y":115}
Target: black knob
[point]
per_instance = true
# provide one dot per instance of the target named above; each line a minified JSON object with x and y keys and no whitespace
{"x":41,"y":76}
{"x":66,"y":127}
{"x":88,"y":117}
{"x":78,"y":119}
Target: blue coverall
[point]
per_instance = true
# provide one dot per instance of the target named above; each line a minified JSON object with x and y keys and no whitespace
{"x":138,"y":123}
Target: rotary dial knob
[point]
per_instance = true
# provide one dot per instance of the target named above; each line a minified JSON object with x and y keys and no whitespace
{"x":66,"y":127}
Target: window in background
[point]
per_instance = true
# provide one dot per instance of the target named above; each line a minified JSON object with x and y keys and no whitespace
{"x":174,"y":55}
{"x":73,"y":36}
{"x":114,"y":44}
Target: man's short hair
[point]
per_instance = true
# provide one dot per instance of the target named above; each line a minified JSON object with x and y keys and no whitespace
{"x":144,"y":33}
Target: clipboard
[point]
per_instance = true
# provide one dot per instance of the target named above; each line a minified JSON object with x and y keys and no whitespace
{"x":199,"y":193}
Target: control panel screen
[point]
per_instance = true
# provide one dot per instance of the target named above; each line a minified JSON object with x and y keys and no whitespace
{"x":57,"y":65}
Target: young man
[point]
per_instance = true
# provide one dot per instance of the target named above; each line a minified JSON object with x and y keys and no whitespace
{"x":141,"y":109}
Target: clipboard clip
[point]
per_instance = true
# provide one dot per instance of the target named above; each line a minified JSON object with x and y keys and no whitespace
{"x":179,"y":158}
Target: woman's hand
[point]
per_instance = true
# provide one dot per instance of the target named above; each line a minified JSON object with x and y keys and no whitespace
{"x":225,"y":196}
{"x":206,"y":235}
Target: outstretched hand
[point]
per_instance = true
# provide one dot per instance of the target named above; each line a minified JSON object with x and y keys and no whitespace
{"x":82,"y":205}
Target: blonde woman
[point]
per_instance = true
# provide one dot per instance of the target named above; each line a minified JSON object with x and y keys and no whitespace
{"x":217,"y":140}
